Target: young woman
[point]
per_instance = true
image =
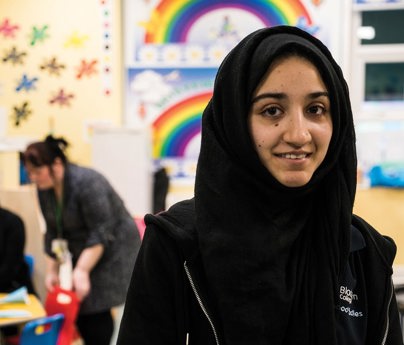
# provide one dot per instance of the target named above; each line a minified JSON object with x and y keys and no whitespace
{"x":268,"y":251}
{"x":85,"y":218}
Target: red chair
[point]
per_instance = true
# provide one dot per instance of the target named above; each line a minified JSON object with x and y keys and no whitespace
{"x":64,"y":302}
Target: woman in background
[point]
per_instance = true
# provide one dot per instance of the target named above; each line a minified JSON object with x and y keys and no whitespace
{"x":268,"y":252}
{"x":85,"y":218}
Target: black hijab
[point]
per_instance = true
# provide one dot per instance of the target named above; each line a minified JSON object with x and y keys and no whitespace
{"x":272,"y":254}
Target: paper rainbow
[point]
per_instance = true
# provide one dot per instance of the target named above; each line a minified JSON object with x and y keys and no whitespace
{"x":178,"y":125}
{"x":172,"y":19}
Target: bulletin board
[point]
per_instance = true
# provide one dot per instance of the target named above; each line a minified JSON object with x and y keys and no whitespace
{"x":60,"y":70}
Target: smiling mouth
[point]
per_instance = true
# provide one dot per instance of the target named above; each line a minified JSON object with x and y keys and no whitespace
{"x":294,"y":156}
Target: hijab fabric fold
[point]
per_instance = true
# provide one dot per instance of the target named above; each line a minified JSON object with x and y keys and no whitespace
{"x":272,"y":254}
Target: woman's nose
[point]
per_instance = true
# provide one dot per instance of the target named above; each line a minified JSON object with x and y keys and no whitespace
{"x":297,"y":130}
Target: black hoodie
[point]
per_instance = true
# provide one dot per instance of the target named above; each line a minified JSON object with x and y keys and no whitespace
{"x":169,"y":297}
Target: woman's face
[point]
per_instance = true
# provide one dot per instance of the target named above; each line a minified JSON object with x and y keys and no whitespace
{"x":41,"y":176}
{"x":290,"y":121}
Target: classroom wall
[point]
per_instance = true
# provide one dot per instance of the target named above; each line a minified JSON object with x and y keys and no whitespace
{"x":84,"y":37}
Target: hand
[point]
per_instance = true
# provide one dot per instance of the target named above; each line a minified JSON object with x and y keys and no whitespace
{"x":51,"y":280}
{"x":81,"y":283}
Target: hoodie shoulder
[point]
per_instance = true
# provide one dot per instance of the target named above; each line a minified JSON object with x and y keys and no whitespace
{"x":178,"y":222}
{"x":383,"y":245}
{"x":181,"y":214}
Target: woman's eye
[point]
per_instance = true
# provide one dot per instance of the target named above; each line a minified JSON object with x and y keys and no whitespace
{"x":316,"y":110}
{"x":271,"y":111}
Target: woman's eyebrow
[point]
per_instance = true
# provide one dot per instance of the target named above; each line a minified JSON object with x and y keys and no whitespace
{"x":276,"y":95}
{"x":281,"y":95}
{"x":318,"y":94}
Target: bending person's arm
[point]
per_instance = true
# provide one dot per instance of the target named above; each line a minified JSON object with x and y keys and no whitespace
{"x":81,"y":273}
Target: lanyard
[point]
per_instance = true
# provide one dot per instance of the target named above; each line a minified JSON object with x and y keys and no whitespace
{"x":59,"y":213}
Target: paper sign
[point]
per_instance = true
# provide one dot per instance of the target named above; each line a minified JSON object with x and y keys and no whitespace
{"x":18,"y":296}
{"x":10,"y":313}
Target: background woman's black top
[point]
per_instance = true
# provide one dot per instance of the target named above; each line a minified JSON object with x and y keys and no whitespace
{"x":14,"y":272}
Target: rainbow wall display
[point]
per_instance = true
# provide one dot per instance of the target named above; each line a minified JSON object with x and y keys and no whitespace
{"x":178,"y":125}
{"x":172,"y":20}
{"x":204,"y":31}
{"x":171,"y":102}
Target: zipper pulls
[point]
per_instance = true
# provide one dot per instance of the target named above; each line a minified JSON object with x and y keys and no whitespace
{"x":200,"y":302}
{"x":388,"y":314}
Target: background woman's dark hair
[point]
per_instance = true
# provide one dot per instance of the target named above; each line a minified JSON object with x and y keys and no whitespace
{"x":45,"y":152}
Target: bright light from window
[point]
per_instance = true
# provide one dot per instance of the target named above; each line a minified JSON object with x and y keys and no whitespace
{"x":366,"y":33}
